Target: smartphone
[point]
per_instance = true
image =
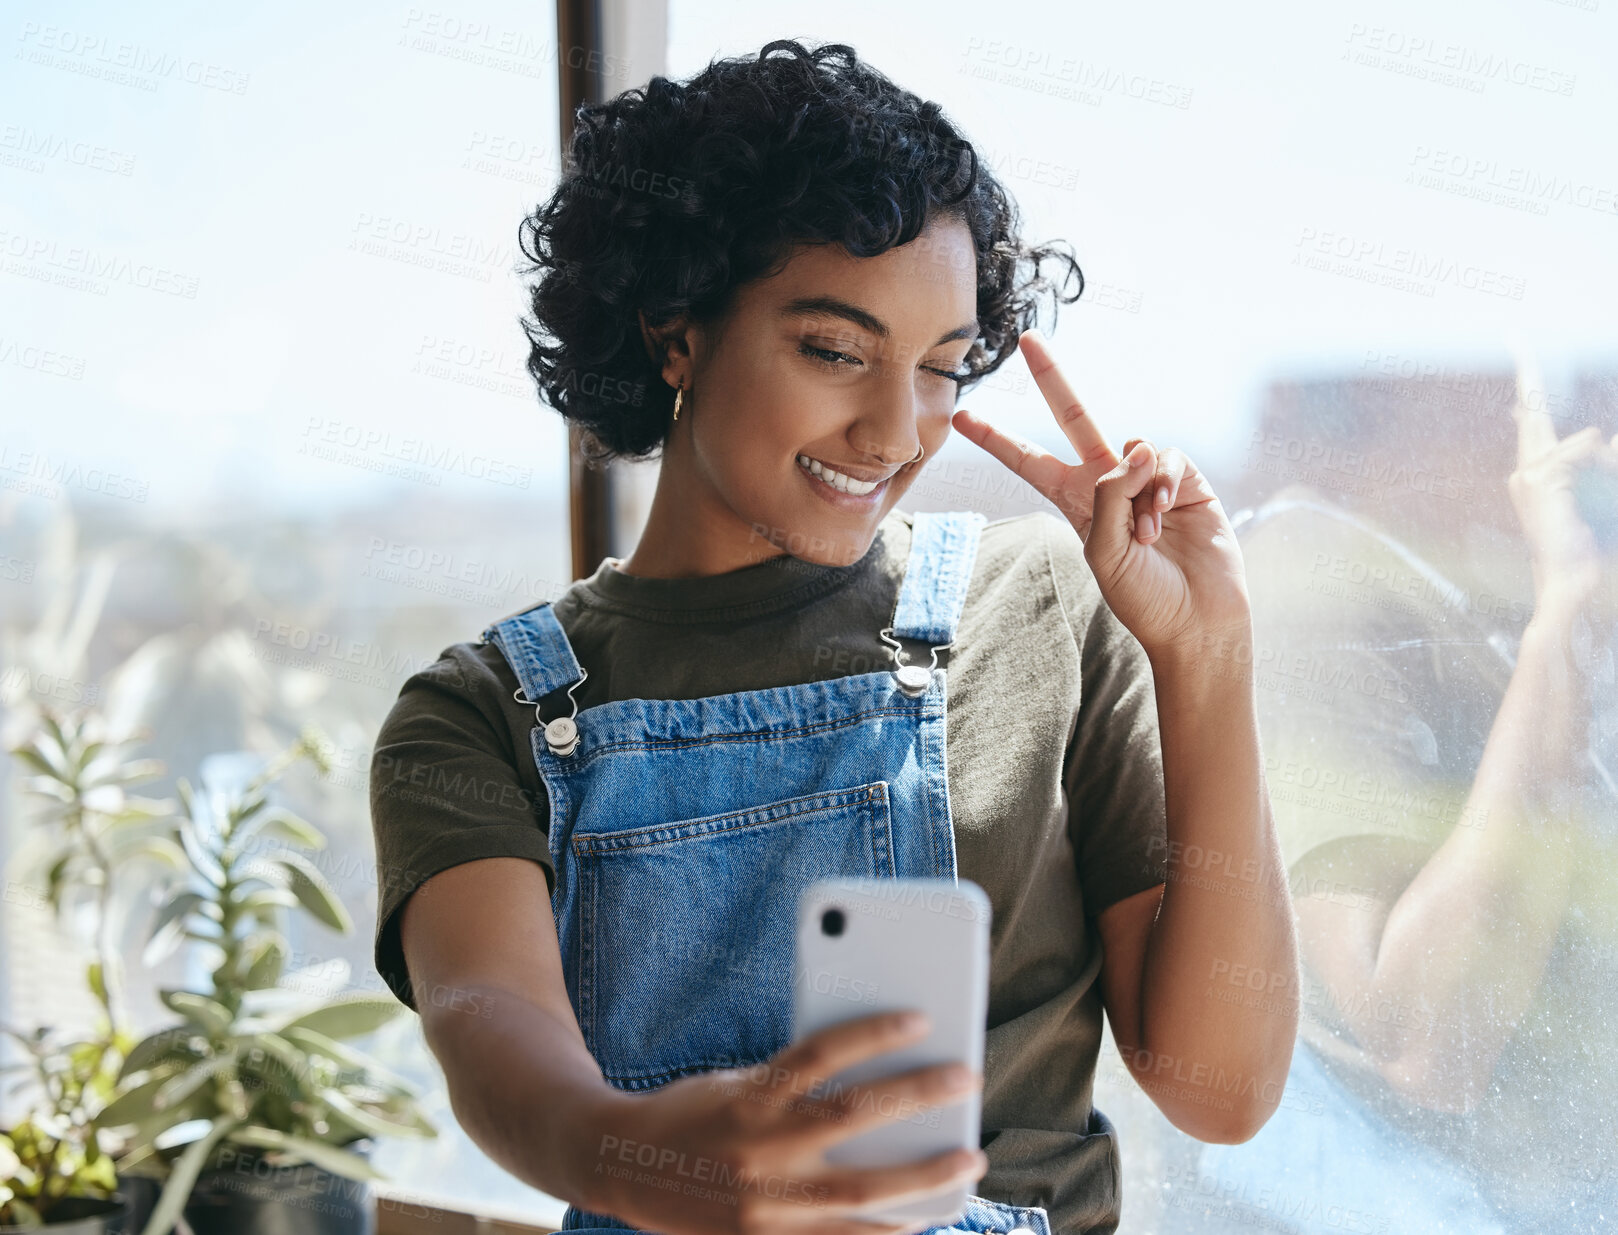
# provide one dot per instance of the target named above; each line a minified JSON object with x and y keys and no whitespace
{"x":866,"y":946}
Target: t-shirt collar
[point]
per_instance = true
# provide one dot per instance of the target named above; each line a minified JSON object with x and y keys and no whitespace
{"x":763,"y":587}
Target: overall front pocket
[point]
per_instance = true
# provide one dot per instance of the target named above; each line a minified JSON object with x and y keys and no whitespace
{"x":686,"y":928}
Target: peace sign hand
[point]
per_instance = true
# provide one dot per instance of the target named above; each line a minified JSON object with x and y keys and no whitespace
{"x":1155,"y":536}
{"x":1571,"y":568}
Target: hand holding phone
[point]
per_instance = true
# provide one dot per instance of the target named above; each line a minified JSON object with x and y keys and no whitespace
{"x":749,"y":1149}
{"x":891,"y":945}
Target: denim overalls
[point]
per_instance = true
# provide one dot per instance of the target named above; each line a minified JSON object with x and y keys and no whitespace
{"x":683,"y":830}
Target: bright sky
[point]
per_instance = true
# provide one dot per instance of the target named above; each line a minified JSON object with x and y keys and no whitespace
{"x":296,"y":349}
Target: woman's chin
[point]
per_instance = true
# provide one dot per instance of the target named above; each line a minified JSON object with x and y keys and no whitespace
{"x":818,"y":542}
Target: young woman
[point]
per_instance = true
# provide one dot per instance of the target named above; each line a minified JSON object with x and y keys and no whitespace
{"x":592,"y":826}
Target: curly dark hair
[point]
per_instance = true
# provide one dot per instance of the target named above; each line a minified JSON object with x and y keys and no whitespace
{"x":676,"y":194}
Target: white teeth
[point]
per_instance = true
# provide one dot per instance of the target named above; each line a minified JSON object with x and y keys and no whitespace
{"x":837,"y":480}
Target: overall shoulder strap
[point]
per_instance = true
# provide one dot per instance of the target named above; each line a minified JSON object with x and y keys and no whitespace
{"x":537,"y":648}
{"x":943,"y":548}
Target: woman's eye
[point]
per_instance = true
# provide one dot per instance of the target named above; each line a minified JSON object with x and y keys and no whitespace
{"x":842,"y":360}
{"x":827,"y":356}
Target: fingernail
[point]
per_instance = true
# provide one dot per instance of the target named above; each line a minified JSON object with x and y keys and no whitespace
{"x":1137,"y":456}
{"x":913,"y":1022}
{"x":1143,"y":526}
{"x":957,"y":1076}
{"x":1162,"y":495}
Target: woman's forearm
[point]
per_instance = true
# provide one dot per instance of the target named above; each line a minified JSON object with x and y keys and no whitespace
{"x":525,"y":1090}
{"x":1469,"y":938}
{"x":1226,"y":905}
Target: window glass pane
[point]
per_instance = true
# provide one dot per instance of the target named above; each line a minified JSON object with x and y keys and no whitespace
{"x":1318,"y":240}
{"x":269,"y":444}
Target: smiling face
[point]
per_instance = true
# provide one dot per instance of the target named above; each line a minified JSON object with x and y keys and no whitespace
{"x":843,"y":361}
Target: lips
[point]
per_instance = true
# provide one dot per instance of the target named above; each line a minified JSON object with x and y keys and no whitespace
{"x":841,"y":481}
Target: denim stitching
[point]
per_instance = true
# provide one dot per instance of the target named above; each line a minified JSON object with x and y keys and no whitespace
{"x":602,"y":843}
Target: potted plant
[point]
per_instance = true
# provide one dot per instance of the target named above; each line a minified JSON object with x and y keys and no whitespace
{"x":54,"y":1172}
{"x":92,"y":827}
{"x":255,"y":1099}
{"x":54,"y":1168}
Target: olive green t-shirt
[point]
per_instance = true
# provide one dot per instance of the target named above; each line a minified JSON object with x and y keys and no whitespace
{"x":1380,"y":672}
{"x":1054,"y":771}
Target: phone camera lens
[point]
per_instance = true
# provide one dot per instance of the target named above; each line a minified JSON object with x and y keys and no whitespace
{"x":831,"y":922}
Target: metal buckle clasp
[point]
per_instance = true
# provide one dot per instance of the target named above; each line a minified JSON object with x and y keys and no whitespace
{"x":561,"y":734}
{"x":913,"y":679}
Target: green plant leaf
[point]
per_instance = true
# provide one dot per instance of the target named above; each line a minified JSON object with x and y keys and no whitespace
{"x":407,"y":1109}
{"x":290,"y":1057}
{"x":210,"y":1014}
{"x":56,"y":877}
{"x":197,"y":852}
{"x":349,"y":1017}
{"x":169,"y":1043}
{"x":169,"y":928}
{"x":135,"y":1100}
{"x":128,"y":772}
{"x":316,"y":895}
{"x":97,"y":1177}
{"x":176,"y":1089}
{"x":266,"y":954}
{"x":43,"y":760}
{"x":126,"y":833}
{"x":283,"y":824}
{"x":268,"y":899}
{"x":161,"y":849}
{"x":165,"y":1129}
{"x":49,"y":787}
{"x":271,"y":873}
{"x":142,"y":810}
{"x":366,"y":1120}
{"x":337,"y":1161}
{"x":352,"y":1058}
{"x":62,"y":733}
{"x":177,"y":1189}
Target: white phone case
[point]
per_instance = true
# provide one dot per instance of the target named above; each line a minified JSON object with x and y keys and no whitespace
{"x":904,"y":943}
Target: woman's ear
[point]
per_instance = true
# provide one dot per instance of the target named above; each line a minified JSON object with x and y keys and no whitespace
{"x":668,"y":347}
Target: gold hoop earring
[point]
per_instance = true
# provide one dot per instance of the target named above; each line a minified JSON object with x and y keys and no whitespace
{"x":679,"y":394}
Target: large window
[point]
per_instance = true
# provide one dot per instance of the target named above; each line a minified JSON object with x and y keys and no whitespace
{"x":1328,"y":249}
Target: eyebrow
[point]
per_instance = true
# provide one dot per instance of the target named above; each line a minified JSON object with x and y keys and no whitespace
{"x":833,"y":307}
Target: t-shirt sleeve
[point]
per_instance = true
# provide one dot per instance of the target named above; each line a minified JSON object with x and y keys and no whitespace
{"x":445,"y":789}
{"x":1117,"y":815}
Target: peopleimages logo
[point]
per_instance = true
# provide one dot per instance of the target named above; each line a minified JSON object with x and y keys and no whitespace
{"x":343,"y":442}
{"x":1040,"y":69}
{"x":1455,"y":64}
{"x":1398,"y":266}
{"x":32,"y":471}
{"x":86,"y":269}
{"x":95,"y":55}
